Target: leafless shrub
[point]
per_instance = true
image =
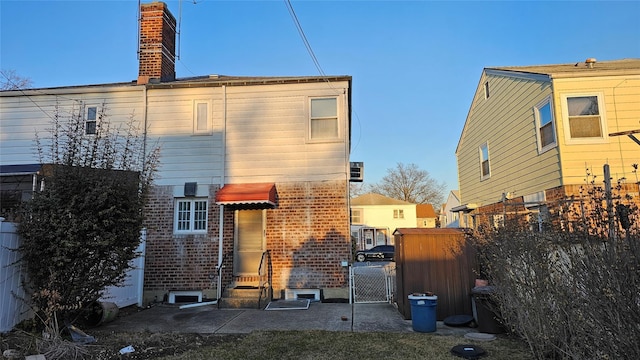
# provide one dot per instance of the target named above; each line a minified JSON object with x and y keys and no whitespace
{"x":570,"y":291}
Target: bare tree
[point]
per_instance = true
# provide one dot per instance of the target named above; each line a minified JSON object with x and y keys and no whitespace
{"x":358,"y":188}
{"x":409,"y":183}
{"x":9,"y":80}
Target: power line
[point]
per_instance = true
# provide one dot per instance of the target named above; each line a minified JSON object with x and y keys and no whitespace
{"x":294,"y":17}
{"x":304,"y":37}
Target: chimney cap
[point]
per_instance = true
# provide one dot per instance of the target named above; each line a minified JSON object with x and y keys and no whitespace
{"x":589,"y":62}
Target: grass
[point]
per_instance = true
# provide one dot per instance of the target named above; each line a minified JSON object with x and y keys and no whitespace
{"x":283,"y":345}
{"x":343,"y":345}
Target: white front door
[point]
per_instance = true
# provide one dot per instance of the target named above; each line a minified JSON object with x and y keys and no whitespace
{"x":249,"y":241}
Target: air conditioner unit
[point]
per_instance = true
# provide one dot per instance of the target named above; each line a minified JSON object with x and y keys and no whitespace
{"x":356,"y":171}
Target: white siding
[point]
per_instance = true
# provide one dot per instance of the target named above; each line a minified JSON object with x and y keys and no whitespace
{"x":381,"y":216}
{"x":265,"y":130}
{"x":264,"y":127}
{"x":31,"y":112}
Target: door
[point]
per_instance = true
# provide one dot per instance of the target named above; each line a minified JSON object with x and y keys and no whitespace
{"x":249,"y":242}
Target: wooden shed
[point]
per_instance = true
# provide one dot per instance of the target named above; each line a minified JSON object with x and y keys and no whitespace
{"x":435,"y":260}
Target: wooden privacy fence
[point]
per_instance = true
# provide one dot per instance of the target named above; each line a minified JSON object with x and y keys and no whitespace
{"x":436,"y":260}
{"x":13,"y":309}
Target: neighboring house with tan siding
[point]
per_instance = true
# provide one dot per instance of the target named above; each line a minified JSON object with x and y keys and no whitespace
{"x":249,"y":167}
{"x":533,"y":132}
{"x":426,"y":216}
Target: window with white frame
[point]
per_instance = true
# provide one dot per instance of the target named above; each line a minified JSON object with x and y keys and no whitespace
{"x":584,"y":118}
{"x":201,"y":117}
{"x":190,"y":216}
{"x":497,"y":220}
{"x":398,"y":213}
{"x":356,"y":216}
{"x":546,"y":132}
{"x":324,"y":119}
{"x":91,"y":120}
{"x":485,"y":168}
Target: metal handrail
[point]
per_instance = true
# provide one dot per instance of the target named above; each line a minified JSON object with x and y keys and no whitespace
{"x":265,"y":272}
{"x":219,"y":268}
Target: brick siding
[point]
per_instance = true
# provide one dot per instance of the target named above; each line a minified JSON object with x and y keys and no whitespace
{"x":157,"y":43}
{"x":307,"y":235}
{"x":558,"y":200}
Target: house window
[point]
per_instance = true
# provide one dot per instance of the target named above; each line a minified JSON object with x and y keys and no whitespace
{"x":356,"y":216}
{"x":486,"y":90}
{"x":584,"y":118}
{"x":398,"y":213}
{"x":545,"y":127}
{"x":324,"y":119}
{"x":91,"y":120}
{"x":485,"y":169}
{"x":190,"y":216}
{"x":497,"y":220}
{"x":201,"y":118}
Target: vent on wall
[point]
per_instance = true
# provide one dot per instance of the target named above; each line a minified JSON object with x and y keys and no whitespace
{"x":190,"y":189}
{"x":356,"y":171}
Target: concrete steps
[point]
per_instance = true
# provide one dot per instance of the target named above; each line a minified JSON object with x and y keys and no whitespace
{"x":242,"y":298}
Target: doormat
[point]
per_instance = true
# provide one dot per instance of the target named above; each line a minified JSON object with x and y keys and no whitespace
{"x":301,"y":304}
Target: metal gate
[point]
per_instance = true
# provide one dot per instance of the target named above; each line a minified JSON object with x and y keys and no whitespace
{"x":372,"y":283}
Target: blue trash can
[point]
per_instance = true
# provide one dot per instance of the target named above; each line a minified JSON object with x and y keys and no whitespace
{"x":423,"y":312}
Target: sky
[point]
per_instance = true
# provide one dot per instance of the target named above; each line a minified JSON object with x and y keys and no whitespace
{"x":415,"y":64}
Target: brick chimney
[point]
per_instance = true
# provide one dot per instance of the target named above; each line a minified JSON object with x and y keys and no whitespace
{"x":157,"y":54}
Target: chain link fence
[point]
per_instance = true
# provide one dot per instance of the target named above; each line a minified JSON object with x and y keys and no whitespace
{"x":373,"y":283}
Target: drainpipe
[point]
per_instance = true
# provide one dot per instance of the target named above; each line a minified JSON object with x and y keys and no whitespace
{"x":144,"y":131}
{"x":222,"y":176}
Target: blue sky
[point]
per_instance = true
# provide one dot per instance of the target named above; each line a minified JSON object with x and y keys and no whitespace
{"x":415,"y":64}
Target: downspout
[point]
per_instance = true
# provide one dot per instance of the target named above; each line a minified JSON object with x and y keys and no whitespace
{"x":143,"y":233}
{"x":222,"y":177}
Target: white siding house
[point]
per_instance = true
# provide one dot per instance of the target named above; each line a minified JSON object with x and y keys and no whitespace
{"x":378,"y":216}
{"x":252,"y":169}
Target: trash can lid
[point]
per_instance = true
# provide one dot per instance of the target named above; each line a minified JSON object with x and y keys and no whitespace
{"x":415,"y":296}
{"x":458,"y":320}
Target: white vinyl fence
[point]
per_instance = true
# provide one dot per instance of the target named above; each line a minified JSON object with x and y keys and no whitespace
{"x":130,"y":291}
{"x":13,"y":309}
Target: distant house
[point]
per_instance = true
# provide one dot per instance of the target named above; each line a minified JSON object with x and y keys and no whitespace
{"x":533,"y":133}
{"x":426,"y":216}
{"x":448,"y":217}
{"x":374,"y":217}
{"x":254,"y":171}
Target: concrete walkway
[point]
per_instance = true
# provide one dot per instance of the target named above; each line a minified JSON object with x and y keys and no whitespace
{"x":208,"y":319}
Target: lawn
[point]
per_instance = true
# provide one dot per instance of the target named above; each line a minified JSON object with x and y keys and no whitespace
{"x":283,"y":345}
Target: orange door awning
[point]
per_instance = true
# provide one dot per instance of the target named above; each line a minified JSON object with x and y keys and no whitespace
{"x":249,"y":196}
